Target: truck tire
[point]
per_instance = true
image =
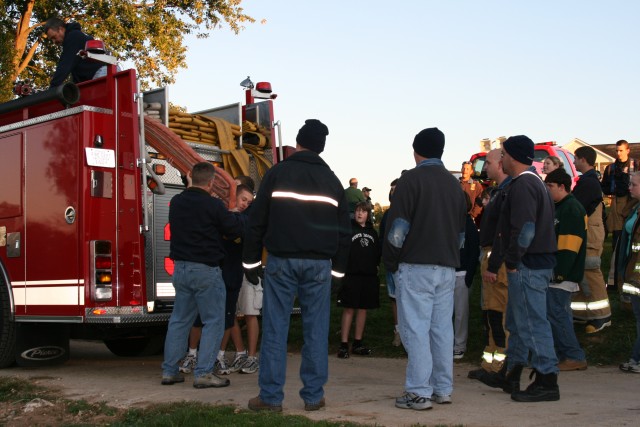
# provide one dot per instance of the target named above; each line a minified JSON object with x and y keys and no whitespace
{"x":136,"y":346}
{"x":7,"y":327}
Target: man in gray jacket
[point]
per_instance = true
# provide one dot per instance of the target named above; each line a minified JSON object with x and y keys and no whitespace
{"x":422,"y":249}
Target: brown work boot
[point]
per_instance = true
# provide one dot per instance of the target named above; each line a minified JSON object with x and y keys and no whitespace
{"x":572,"y":365}
{"x":256,"y":404}
{"x":314,"y":406}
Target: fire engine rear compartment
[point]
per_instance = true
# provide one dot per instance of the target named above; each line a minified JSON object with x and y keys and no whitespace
{"x":73,"y":184}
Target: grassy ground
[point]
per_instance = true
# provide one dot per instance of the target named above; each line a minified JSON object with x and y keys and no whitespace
{"x":56,"y":411}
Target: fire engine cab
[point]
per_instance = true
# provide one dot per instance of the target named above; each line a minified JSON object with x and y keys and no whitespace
{"x":83,"y":216}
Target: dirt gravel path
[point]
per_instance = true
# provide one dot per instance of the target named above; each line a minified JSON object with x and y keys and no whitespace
{"x":359,"y":390}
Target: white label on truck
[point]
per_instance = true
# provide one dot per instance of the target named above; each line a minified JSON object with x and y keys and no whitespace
{"x":100,"y":157}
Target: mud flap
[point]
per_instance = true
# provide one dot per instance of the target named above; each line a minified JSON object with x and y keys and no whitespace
{"x":41,"y":344}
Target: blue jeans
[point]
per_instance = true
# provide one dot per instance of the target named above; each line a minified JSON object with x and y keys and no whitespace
{"x":526,"y":320}
{"x":199,"y":289}
{"x":424,"y":294}
{"x":310,"y":279}
{"x":635,"y":304}
{"x":561,"y":319}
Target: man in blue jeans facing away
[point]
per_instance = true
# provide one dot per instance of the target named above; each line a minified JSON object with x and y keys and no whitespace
{"x":526,"y":242}
{"x":198,"y":221}
{"x":422,"y":249}
{"x":301,"y":216}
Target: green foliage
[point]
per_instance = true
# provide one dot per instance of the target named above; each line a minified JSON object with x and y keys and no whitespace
{"x":149,"y":34}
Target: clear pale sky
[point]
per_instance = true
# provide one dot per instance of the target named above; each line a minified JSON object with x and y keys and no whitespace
{"x":378,"y":72}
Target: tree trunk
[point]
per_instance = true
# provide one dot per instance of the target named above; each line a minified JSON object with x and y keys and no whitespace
{"x":20,"y":61}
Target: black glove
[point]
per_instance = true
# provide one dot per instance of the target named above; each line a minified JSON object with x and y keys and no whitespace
{"x":252,"y":275}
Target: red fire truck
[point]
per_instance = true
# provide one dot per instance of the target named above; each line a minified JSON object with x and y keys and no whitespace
{"x":83,"y":238}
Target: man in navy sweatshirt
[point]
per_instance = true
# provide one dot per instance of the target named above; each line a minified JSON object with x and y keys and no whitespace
{"x":72,"y":40}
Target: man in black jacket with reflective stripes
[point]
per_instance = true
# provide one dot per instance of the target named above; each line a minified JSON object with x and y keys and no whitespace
{"x":301,"y":216}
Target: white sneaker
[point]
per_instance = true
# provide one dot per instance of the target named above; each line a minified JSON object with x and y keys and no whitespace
{"x":238,"y":362}
{"x":251,"y":365}
{"x":630,"y":366}
{"x":221,"y":367}
{"x":444,"y":399}
{"x":188,"y":364}
{"x":458,"y":354}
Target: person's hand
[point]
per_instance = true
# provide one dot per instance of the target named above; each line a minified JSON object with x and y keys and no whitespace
{"x":254,"y":275}
{"x":490,"y":277}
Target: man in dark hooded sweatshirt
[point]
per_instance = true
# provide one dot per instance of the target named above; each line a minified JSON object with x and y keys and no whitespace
{"x":72,"y":40}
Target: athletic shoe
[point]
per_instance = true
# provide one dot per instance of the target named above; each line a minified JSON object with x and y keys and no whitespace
{"x":630,"y":366}
{"x":188,"y":364}
{"x":210,"y":380}
{"x":413,"y":401}
{"x":444,"y":399}
{"x":221,"y":367}
{"x":238,"y":362}
{"x":361,"y":350}
{"x":172,"y":379}
{"x":250,"y":366}
{"x":397,"y":341}
{"x":597,"y":325}
{"x":458,"y":354}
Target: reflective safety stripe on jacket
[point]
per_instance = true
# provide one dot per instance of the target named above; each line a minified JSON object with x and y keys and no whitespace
{"x":628,"y":288}
{"x":593,"y":305}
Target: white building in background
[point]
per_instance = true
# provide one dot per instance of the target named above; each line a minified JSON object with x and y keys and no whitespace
{"x":602,"y":160}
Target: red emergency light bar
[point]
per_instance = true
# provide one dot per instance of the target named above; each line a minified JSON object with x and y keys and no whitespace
{"x":95,"y":46}
{"x":264,"y":87}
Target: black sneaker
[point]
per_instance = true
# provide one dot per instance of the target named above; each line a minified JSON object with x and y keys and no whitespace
{"x":361,"y":350}
{"x":343,"y":353}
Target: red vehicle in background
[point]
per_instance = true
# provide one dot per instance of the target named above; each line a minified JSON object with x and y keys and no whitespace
{"x":542,"y":150}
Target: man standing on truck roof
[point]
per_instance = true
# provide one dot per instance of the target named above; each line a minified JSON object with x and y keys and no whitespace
{"x":72,"y":40}
{"x":301,"y":216}
{"x":198,"y":222}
